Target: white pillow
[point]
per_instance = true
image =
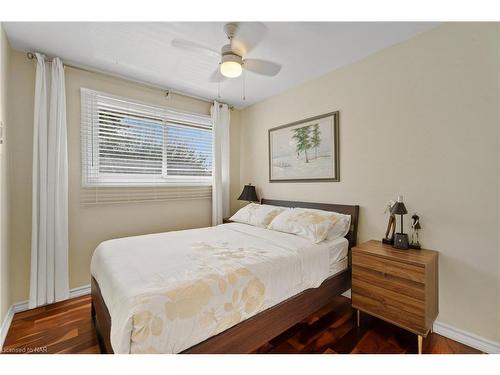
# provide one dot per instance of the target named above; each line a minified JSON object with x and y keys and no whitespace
{"x":259,"y":215}
{"x":313,"y":225}
{"x":340,"y":228}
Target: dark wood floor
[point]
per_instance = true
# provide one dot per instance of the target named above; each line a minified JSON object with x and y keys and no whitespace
{"x":66,"y":327}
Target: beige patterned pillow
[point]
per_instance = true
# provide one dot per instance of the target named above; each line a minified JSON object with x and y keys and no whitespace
{"x":313,"y":225}
{"x":341,"y":227}
{"x":259,"y":215}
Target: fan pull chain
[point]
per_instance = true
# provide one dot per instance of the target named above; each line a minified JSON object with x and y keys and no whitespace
{"x":244,"y":86}
{"x":218,"y":90}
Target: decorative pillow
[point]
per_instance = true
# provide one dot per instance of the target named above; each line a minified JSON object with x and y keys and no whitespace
{"x":341,"y":226}
{"x":313,"y":225}
{"x":259,"y":215}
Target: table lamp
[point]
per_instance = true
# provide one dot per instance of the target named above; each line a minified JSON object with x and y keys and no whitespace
{"x":248,"y":194}
{"x":400,"y":239}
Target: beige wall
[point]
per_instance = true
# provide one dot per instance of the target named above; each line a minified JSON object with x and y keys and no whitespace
{"x":4,"y":209}
{"x":20,"y":117}
{"x":88,"y":225}
{"x":498,"y":211}
{"x":498,"y":175}
{"x":419,"y":119}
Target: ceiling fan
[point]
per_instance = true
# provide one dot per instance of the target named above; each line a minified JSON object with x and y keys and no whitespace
{"x":242,"y":38}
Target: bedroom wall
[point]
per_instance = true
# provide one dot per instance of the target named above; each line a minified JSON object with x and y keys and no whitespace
{"x":420,"y":119}
{"x":4,"y":202}
{"x":88,"y":224}
{"x":498,"y":175}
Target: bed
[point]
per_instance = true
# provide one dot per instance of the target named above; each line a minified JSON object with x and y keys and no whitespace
{"x":224,"y":289}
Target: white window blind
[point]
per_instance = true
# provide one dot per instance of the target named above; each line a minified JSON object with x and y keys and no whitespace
{"x":133,"y":151}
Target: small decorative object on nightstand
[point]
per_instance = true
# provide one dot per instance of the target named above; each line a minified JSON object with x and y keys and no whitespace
{"x":248,"y":194}
{"x":391,"y":225}
{"x":400,"y":239}
{"x":400,"y":287}
{"x":415,"y":227}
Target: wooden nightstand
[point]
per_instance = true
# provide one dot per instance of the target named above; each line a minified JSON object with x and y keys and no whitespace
{"x":398,"y":286}
{"x":226,"y":220}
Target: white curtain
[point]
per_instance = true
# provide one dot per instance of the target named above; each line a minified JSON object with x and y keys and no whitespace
{"x":220,"y":186}
{"x":49,"y":238}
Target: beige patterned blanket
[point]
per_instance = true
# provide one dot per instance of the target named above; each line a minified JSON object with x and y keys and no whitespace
{"x":169,"y":291}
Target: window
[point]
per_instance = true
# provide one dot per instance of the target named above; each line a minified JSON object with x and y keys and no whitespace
{"x":126,"y":143}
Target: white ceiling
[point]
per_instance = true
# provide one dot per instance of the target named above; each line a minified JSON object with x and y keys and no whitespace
{"x":143,"y":51}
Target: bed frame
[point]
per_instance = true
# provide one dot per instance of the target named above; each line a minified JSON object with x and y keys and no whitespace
{"x":250,"y":334}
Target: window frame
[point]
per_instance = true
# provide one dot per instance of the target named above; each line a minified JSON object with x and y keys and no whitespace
{"x":89,"y":125}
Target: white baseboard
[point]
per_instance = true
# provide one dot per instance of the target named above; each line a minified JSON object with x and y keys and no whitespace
{"x":466,"y":338}
{"x":20,"y":306}
{"x":80,"y":291}
{"x":6,"y":325}
{"x":24,"y":305}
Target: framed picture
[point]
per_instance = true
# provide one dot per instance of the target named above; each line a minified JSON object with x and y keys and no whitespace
{"x":306,"y":150}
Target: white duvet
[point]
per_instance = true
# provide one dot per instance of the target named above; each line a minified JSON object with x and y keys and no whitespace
{"x":169,"y":291}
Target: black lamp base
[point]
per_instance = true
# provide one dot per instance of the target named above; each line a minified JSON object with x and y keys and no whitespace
{"x":388,"y":241}
{"x":401,"y":241}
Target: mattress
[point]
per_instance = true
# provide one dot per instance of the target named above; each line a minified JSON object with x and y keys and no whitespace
{"x":337,"y":254}
{"x":169,"y":291}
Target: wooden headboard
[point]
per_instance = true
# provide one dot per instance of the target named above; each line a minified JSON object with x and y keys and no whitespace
{"x":340,"y":208}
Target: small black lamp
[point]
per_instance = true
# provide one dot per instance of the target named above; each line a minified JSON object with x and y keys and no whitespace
{"x":400,"y":239}
{"x":248,"y":194}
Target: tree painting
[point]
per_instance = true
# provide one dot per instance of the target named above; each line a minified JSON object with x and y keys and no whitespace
{"x":306,"y":138}
{"x":304,"y":150}
{"x":303,"y":140}
{"x":315,"y":139}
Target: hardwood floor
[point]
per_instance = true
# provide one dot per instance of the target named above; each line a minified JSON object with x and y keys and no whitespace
{"x":66,"y":327}
{"x":63,"y":327}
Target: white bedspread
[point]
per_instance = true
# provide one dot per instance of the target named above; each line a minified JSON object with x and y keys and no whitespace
{"x":169,"y":291}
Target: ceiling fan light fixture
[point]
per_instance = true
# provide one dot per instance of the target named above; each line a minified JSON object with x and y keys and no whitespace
{"x":242,"y":37}
{"x":231,"y":69}
{"x":231,"y":63}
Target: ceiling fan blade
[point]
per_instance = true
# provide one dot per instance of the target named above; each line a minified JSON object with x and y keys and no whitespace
{"x":194,"y":47}
{"x":247,"y":35}
{"x":217,"y":76}
{"x":264,"y":67}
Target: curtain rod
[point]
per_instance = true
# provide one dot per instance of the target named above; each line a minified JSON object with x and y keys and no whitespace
{"x":31,"y":56}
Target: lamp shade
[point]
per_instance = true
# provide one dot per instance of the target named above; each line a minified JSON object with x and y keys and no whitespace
{"x":248,"y":194}
{"x":230,"y":69}
{"x":399,"y":209}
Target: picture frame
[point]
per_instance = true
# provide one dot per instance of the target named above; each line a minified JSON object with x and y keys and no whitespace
{"x":306,"y":150}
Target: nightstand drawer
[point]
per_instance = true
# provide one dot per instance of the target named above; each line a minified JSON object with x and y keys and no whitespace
{"x":390,"y":299}
{"x":390,"y":267}
{"x":383,"y":309}
{"x":384,"y":280}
